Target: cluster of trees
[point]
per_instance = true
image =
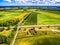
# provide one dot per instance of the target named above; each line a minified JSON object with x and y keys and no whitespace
{"x":9,"y":22}
{"x":7,"y":40}
{"x":2,"y":39}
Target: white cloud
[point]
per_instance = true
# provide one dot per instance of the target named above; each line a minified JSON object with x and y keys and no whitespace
{"x":17,"y":0}
{"x":20,"y":0}
{"x":8,"y":0}
{"x":57,"y":0}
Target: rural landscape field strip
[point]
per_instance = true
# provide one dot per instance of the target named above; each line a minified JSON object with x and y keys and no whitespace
{"x":31,"y":19}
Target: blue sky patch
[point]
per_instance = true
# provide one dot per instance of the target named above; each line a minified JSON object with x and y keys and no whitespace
{"x":29,"y":2}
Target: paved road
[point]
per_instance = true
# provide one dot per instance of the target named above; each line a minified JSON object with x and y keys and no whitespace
{"x":39,"y":25}
{"x":32,"y":25}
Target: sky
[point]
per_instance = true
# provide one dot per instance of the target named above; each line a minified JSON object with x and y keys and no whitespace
{"x":29,"y":2}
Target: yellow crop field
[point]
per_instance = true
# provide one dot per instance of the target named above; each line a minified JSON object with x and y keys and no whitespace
{"x":21,"y":16}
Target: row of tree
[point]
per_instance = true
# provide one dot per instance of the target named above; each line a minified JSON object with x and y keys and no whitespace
{"x":9,"y":23}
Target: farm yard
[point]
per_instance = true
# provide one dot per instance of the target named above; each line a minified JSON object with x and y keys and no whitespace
{"x":33,"y":35}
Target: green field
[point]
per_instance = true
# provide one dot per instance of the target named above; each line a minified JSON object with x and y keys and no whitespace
{"x":7,"y":15}
{"x":31,"y":19}
{"x":46,"y":19}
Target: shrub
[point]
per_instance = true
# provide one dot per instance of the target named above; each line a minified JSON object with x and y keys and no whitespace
{"x":11,"y":22}
{"x":8,"y":40}
{"x":2,"y":39}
